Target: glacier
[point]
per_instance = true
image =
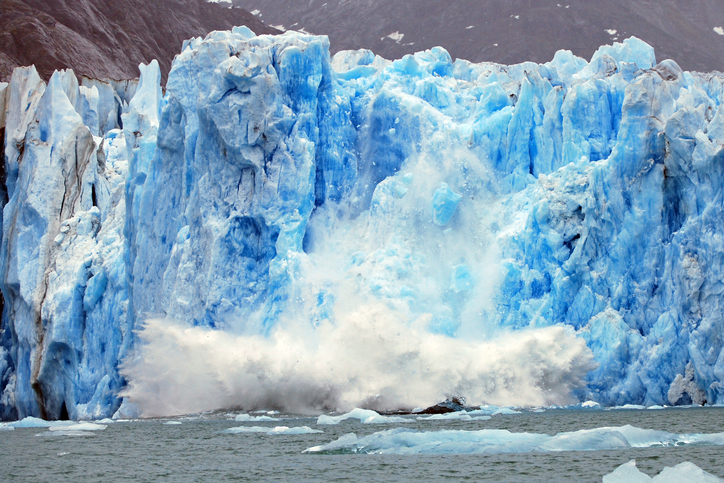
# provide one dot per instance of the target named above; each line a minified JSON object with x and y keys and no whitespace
{"x":278,"y":228}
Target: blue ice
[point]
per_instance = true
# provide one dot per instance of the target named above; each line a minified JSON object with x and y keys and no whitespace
{"x":499,"y":441}
{"x":572,"y":193}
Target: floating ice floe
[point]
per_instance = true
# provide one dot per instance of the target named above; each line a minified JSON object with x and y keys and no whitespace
{"x":57,"y":427}
{"x":279,"y":430}
{"x":628,"y":473}
{"x":494,"y":441}
{"x":31,"y":422}
{"x":493,"y":411}
{"x":365,"y":416}
{"x":79,"y":427}
{"x":248,"y":418}
{"x":456,"y":416}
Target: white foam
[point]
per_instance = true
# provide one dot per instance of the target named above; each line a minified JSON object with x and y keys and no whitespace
{"x":371,"y":356}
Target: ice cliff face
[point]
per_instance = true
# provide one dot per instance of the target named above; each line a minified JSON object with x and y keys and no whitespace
{"x":64,"y":281}
{"x":273,"y":189}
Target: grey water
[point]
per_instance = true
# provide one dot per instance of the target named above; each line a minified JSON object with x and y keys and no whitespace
{"x":198,"y":450}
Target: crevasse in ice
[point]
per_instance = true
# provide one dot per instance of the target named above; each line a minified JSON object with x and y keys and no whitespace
{"x":271,"y":183}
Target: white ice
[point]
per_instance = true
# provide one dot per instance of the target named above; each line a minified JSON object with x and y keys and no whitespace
{"x":629,"y":473}
{"x":494,"y":441}
{"x":279,"y":430}
{"x":364,"y":416}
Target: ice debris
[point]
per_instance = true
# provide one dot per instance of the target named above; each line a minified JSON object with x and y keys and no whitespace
{"x":79,"y":427}
{"x":278,"y":430}
{"x":456,"y":416}
{"x":495,"y":441}
{"x":247,"y":418}
{"x":364,"y":416}
{"x":628,"y":473}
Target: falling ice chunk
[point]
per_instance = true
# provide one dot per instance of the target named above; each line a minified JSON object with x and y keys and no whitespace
{"x":444,"y":203}
{"x":461,"y":279}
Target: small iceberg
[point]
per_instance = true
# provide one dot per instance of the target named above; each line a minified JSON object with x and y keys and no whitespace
{"x":31,"y":422}
{"x":365,"y":416}
{"x":456,"y":416}
{"x":497,"y":441}
{"x":248,"y":418}
{"x":629,"y":473}
{"x":78,"y":427}
{"x":279,"y":430}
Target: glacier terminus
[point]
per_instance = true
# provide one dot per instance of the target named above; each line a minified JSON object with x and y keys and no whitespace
{"x":279,"y":228}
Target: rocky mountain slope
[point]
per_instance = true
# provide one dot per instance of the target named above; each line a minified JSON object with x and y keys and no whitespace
{"x":107,"y":38}
{"x":509,"y":31}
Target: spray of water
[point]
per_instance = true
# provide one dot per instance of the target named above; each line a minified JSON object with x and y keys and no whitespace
{"x":371,"y":359}
{"x":388,"y":310}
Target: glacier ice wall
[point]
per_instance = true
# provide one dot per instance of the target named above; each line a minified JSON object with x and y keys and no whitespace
{"x":63,"y":276}
{"x":355,"y":231}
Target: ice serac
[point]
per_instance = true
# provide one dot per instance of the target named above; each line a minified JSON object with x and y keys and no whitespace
{"x":279,"y":224}
{"x":219,"y":214}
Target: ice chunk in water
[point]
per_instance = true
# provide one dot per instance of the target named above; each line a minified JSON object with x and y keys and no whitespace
{"x":279,"y":430}
{"x":629,"y":473}
{"x":365,"y":416}
{"x":494,"y":441}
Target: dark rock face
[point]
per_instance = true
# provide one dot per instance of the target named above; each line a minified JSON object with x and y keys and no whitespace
{"x":107,"y":38}
{"x":523,"y":30}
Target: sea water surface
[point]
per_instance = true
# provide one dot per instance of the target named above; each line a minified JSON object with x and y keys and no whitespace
{"x":199,"y":448}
